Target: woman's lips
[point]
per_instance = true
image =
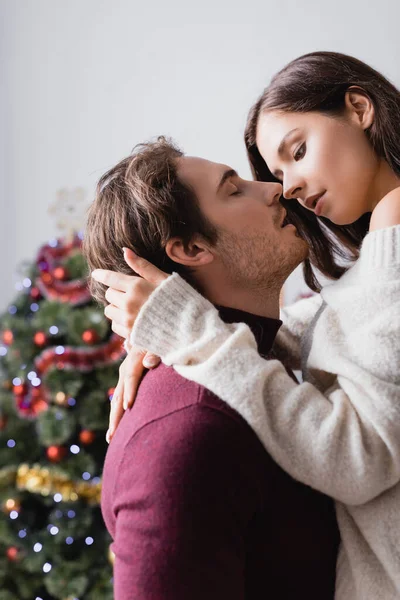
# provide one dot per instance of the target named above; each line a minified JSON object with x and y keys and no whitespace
{"x":319,"y":205}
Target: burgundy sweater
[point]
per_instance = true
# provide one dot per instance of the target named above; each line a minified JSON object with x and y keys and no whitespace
{"x":197,"y":508}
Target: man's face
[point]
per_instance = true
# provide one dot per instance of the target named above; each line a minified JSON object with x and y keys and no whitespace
{"x":252,"y":244}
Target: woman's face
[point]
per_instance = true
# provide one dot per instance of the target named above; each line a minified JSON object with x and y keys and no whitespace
{"x":326,"y":163}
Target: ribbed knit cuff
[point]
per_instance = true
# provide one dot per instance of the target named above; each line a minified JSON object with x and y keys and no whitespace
{"x":169,"y":320}
{"x":381,"y":249}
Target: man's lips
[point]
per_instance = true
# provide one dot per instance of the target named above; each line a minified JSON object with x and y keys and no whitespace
{"x":284,"y":220}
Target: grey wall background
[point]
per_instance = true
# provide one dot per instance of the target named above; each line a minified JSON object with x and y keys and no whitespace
{"x":83,"y":81}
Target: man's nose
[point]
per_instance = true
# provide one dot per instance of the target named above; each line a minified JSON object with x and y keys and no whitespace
{"x":273,"y":193}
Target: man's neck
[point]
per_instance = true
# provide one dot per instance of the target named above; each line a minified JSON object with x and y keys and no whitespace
{"x":261,"y":302}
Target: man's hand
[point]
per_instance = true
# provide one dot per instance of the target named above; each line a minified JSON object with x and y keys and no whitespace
{"x":127,"y":294}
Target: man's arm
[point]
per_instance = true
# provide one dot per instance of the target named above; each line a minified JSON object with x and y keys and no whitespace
{"x":185,"y":493}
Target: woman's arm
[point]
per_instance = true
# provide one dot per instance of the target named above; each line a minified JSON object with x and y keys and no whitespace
{"x":296,"y":319}
{"x":345,"y":443}
{"x":331,"y":442}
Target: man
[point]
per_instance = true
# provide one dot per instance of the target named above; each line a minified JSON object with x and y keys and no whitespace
{"x":195,"y":505}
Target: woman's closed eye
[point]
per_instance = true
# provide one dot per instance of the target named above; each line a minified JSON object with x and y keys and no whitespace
{"x":300,"y":152}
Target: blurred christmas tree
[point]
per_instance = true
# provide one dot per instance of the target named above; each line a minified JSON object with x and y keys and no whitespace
{"x":58,"y":361}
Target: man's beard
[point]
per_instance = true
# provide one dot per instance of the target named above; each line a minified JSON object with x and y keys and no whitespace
{"x":258,"y":262}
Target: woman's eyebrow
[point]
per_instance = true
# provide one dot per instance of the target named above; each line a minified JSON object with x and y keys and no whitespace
{"x":281,"y":147}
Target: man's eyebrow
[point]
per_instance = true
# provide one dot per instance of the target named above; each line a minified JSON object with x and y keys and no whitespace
{"x":229,"y":173}
{"x":283,"y":143}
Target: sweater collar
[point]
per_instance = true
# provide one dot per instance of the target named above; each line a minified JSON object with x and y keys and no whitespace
{"x":264,"y":329}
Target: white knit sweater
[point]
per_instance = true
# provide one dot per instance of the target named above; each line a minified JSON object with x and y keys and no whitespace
{"x":339,"y":431}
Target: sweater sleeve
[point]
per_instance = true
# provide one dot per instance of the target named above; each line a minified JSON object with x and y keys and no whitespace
{"x":366,"y":301}
{"x":187,"y":489}
{"x":296,"y":319}
{"x":344,"y":442}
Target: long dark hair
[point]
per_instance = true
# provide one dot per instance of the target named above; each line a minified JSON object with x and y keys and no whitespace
{"x":318,"y":82}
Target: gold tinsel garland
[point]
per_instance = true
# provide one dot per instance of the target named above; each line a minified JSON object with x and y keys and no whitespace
{"x":39,"y":480}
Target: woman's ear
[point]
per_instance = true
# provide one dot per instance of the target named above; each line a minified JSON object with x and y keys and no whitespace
{"x":359,"y":107}
{"x":196,"y":254}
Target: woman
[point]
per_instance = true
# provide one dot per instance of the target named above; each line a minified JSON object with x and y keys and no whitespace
{"x":328,"y":127}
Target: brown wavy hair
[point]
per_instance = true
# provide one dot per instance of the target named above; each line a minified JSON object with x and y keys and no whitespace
{"x":318,"y":82}
{"x":140,"y":203}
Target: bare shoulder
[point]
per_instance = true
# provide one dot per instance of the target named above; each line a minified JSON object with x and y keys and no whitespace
{"x":387,"y":211}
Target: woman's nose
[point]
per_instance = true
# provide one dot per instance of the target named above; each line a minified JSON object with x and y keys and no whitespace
{"x":291,"y":190}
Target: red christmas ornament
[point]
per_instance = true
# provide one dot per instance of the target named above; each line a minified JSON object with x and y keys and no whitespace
{"x":47,"y":278}
{"x":39,"y":406}
{"x":20,"y":389}
{"x":8,"y":337}
{"x":35,"y":293}
{"x":12,"y":553}
{"x":40,"y":338}
{"x":56,"y":453}
{"x":90,"y":336}
{"x":87,"y":437}
{"x":60,"y":273}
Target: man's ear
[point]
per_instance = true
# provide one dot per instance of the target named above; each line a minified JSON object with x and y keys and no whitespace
{"x":359,"y":107}
{"x":196,"y":254}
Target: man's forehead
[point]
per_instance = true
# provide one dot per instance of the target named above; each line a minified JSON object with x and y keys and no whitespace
{"x":195,"y":171}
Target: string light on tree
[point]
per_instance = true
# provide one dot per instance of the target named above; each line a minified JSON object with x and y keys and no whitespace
{"x":61,"y":399}
{"x":60,"y":358}
{"x":12,"y":504}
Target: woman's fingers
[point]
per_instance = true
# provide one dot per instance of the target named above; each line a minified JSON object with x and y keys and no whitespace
{"x":117,"y":409}
{"x":133,"y":373}
{"x":116,"y":298}
{"x":130,"y":375}
{"x":113,"y":279}
{"x":118,"y":316}
{"x":151,"y":360}
{"x":144,"y":268}
{"x":120,"y":330}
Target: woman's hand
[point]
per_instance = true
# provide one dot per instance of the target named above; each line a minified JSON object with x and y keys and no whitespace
{"x":126,"y":295}
{"x":130,"y":375}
